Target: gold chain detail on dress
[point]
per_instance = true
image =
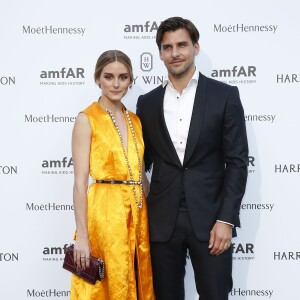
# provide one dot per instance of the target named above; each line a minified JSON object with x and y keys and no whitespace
{"x":138,"y":203}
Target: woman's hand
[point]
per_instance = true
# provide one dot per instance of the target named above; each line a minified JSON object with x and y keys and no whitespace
{"x":82,"y":253}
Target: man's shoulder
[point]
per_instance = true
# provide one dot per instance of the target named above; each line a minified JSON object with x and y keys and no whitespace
{"x":151,"y":94}
{"x":210,"y":82}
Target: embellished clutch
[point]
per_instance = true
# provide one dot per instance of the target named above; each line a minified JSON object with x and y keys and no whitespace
{"x":92,"y":274}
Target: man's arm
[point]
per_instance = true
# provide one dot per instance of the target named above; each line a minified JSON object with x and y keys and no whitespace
{"x":235,"y":153}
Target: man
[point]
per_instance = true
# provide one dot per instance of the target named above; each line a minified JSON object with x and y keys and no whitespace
{"x":195,"y":138}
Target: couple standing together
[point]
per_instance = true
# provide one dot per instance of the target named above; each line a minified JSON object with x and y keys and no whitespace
{"x":190,"y":132}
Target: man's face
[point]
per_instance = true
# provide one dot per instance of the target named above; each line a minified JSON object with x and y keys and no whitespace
{"x":178,"y":52}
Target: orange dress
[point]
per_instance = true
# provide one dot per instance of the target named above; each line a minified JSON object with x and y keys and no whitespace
{"x":117,"y":228}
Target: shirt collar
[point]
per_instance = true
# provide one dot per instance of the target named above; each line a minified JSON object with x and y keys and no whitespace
{"x":194,"y":78}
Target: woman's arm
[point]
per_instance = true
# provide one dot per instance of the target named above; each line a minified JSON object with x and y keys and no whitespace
{"x":146,"y":186}
{"x":81,"y":142}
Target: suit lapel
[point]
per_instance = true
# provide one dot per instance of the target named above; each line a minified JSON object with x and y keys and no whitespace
{"x":164,"y":136}
{"x":197,"y":119}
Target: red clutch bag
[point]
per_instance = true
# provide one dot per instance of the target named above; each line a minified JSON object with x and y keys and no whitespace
{"x":92,"y":274}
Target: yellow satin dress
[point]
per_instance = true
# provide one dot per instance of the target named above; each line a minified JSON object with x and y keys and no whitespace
{"x":117,"y":228}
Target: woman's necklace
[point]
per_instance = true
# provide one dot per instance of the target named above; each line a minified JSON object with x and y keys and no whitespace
{"x":138,"y":203}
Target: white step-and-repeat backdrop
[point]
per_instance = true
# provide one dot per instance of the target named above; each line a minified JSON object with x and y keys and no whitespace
{"x":47,"y":56}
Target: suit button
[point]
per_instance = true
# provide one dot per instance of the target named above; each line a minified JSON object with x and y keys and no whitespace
{"x":186,"y":168}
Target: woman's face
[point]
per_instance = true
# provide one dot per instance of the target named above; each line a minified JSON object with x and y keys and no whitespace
{"x":114,"y":81}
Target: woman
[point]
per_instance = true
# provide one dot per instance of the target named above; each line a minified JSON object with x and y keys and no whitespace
{"x":111,"y":220}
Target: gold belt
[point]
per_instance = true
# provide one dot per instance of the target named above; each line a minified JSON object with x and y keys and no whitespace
{"x":129,"y":182}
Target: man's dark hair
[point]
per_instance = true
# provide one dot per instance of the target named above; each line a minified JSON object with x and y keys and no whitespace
{"x":175,"y":23}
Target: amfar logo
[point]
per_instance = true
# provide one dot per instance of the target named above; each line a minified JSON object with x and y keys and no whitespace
{"x":236,"y":75}
{"x":55,"y":166}
{"x":65,"y":76}
{"x":54,"y":253}
{"x":64,"y":73}
{"x":147,"y":27}
{"x":288,"y":78}
{"x":4,"y":257}
{"x":141,"y":31}
{"x":287,"y":168}
{"x":8,"y":170}
{"x":235,"y":72}
{"x":286,"y":255}
{"x":146,"y":62}
{"x":251,"y":164}
{"x":243,"y":251}
{"x":4,"y":80}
